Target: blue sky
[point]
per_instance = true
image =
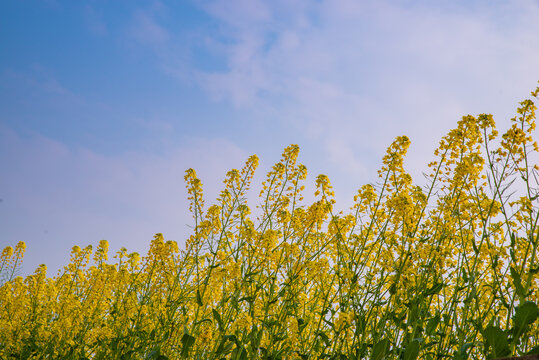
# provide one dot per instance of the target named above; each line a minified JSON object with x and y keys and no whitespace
{"x":105,"y":104}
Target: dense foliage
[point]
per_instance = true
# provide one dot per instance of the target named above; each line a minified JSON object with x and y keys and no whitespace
{"x":448,"y":270}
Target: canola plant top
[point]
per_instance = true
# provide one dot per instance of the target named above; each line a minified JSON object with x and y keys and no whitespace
{"x":447,"y":270}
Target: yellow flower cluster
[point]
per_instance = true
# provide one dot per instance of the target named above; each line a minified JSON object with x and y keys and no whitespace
{"x":447,"y":269}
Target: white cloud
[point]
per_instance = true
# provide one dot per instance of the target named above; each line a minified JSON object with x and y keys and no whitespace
{"x":240,"y":13}
{"x":94,"y":21}
{"x":40,"y":80}
{"x":146,"y":29}
{"x":358,"y":74}
{"x":58,"y":197}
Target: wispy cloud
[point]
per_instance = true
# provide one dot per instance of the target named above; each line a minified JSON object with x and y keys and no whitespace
{"x":94,"y":21}
{"x":146,"y":29}
{"x":365,"y":72}
{"x":76,"y":196}
{"x":244,"y":14}
{"x":37,"y":97}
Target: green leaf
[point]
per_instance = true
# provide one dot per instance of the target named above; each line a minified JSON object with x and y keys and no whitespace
{"x":432,"y":324}
{"x":243,"y":355}
{"x":255,"y":337}
{"x":496,"y":340}
{"x":379,"y":350}
{"x":412,"y":350}
{"x":225,"y":346}
{"x":199,"y":298}
{"x":361,"y":324}
{"x":324,"y":337}
{"x":301,"y":324}
{"x":463,"y":352}
{"x":447,"y":318}
{"x":533,"y":351}
{"x":470,"y":296}
{"x":512,"y":253}
{"x":187,"y":342}
{"x":217,"y":318}
{"x":435,"y":289}
{"x":329,"y":323}
{"x":518,"y":284}
{"x":474,"y":246}
{"x":398,"y":319}
{"x":202,"y":321}
{"x":381,"y":324}
{"x":525,"y":315}
{"x":239,"y":353}
{"x":361,"y":350}
{"x":495,"y":261}
{"x":232,"y":338}
{"x":281,"y":336}
{"x":249,"y":299}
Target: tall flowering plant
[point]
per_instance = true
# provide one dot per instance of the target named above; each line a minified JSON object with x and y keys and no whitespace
{"x":446,"y":270}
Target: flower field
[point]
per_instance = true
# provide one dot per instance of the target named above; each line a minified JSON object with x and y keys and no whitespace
{"x":448,"y":270}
